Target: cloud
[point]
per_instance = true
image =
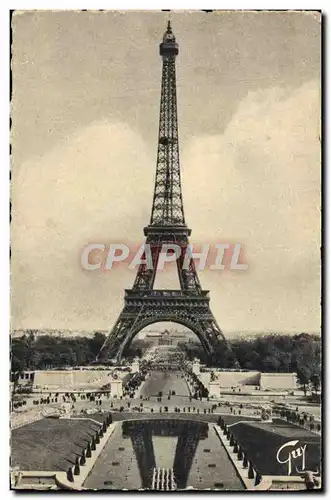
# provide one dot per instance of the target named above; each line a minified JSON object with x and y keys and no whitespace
{"x":258,"y":183}
{"x":94,"y":187}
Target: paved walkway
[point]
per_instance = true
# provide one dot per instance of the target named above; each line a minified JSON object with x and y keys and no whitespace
{"x":165,"y":382}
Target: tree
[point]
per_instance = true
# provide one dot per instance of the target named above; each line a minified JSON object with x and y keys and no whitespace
{"x":224,"y":356}
{"x":284,"y":359}
{"x":316,"y":382}
{"x":51,"y":351}
{"x":96,"y":343}
{"x":304,"y":374}
{"x":270,"y":363}
{"x":18,"y":355}
{"x":279,"y":353}
{"x":250,"y":359}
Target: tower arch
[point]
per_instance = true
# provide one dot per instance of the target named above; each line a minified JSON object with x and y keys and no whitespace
{"x":186,"y":322}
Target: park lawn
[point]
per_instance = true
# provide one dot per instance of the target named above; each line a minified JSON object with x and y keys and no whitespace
{"x":50,"y":444}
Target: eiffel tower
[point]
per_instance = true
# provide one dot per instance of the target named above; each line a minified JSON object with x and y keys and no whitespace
{"x":143,"y":305}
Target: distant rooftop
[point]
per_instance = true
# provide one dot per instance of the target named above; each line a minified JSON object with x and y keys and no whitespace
{"x":56,"y":333}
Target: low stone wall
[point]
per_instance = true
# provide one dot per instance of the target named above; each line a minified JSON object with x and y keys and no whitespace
{"x":289,"y":483}
{"x":249,"y":380}
{"x":18,"y":419}
{"x":55,"y":380}
{"x":278,"y":381}
{"x":34,"y":480}
{"x":65,"y":378}
{"x":224,"y":379}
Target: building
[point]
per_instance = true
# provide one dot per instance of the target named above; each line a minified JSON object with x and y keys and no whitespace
{"x":218,"y":380}
{"x":168,"y":337}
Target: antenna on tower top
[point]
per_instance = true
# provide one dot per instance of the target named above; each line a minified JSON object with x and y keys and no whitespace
{"x":169,"y":37}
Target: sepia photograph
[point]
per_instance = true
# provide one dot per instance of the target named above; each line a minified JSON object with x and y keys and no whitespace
{"x":165,"y":250}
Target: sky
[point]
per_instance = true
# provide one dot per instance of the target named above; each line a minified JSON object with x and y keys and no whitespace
{"x":85,"y":104}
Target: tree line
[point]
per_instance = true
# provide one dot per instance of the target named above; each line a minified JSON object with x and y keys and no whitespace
{"x":283,"y":353}
{"x":273,"y":353}
{"x":48,"y":351}
{"x":268,"y":353}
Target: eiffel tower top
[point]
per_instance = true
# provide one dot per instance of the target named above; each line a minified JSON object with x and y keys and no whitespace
{"x":168,"y":35}
{"x":167,"y":209}
{"x":168,"y":47}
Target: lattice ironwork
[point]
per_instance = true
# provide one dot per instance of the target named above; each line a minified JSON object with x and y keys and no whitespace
{"x":188,"y":306}
{"x":168,"y":202}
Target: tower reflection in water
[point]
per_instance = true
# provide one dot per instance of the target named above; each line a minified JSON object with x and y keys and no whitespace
{"x":188,"y":434}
